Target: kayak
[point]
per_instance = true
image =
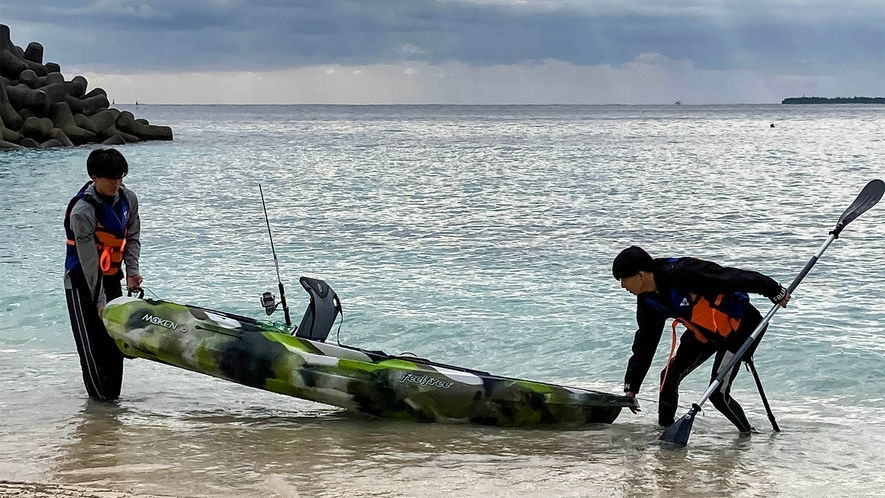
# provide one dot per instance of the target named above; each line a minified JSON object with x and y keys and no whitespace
{"x":269,"y":356}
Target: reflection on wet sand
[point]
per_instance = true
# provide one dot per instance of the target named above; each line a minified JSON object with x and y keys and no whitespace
{"x":103,"y":449}
{"x":327,"y":453}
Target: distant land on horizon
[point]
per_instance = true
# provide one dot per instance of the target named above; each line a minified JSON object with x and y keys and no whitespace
{"x":835,"y":100}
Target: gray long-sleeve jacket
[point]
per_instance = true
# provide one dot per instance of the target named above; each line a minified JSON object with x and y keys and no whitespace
{"x":82,"y":223}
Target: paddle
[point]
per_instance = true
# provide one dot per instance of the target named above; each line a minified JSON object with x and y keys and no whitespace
{"x":676,"y":436}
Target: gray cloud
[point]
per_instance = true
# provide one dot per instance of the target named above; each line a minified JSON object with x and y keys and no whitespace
{"x":170,"y":35}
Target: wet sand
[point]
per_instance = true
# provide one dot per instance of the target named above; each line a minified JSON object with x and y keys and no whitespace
{"x":11,"y":489}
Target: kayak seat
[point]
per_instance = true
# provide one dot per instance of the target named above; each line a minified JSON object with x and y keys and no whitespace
{"x":322,"y":311}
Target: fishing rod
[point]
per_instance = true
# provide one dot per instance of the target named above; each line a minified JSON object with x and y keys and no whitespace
{"x":676,"y":435}
{"x":267,"y":299}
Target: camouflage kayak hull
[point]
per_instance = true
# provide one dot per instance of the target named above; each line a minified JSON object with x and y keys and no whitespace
{"x":262,"y":355}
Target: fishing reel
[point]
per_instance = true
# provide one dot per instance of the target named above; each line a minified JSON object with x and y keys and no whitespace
{"x":269,"y":302}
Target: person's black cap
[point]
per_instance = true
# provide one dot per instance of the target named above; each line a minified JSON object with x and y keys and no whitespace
{"x":631,"y":261}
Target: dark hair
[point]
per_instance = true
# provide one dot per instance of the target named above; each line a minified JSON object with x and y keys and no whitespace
{"x":107,"y":163}
{"x":631,"y":261}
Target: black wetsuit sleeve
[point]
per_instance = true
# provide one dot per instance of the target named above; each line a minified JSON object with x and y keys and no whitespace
{"x":645,"y":343}
{"x":708,"y":278}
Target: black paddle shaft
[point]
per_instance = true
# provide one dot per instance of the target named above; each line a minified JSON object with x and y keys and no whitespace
{"x":677,"y":434}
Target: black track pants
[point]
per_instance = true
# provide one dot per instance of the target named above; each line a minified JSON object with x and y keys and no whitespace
{"x":690,"y":355}
{"x":100,"y":359}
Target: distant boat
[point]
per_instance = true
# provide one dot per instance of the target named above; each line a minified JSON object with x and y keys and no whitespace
{"x":678,"y":102}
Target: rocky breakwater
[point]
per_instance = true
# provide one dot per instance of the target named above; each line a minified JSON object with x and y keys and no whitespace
{"x":40,"y":108}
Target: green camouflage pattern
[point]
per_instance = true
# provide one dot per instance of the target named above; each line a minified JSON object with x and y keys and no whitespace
{"x":266,"y":356}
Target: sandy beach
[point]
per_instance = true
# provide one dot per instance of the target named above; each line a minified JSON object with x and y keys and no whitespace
{"x":11,"y":489}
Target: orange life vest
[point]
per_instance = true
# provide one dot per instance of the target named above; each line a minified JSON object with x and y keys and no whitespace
{"x":110,"y":233}
{"x":709,"y":320}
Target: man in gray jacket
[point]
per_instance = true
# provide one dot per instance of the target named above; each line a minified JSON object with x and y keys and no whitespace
{"x":102,"y":227}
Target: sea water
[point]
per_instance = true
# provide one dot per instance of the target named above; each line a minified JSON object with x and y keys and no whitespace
{"x":480,"y":236}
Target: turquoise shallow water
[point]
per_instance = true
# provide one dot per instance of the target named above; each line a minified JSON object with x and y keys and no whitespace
{"x":480,"y":236}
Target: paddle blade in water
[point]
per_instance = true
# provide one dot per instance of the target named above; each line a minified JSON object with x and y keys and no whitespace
{"x":676,"y":436}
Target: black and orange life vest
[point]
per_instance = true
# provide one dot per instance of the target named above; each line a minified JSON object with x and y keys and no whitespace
{"x":710,"y":318}
{"x":110,"y":232}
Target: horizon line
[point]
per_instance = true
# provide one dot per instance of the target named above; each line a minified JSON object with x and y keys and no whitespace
{"x":139,"y":103}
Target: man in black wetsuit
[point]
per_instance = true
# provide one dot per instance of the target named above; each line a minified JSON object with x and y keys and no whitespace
{"x":711,"y":301}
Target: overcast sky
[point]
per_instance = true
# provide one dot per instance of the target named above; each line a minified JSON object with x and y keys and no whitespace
{"x":461,"y":51}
